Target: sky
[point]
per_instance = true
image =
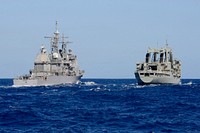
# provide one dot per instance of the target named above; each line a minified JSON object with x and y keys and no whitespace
{"x":109,"y":36}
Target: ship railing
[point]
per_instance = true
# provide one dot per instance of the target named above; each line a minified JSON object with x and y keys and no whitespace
{"x":26,"y":76}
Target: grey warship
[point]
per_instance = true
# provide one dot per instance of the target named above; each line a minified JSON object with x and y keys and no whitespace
{"x":159,"y":67}
{"x":58,"y":67}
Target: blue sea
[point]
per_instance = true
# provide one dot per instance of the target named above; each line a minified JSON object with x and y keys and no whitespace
{"x":100,"y":106}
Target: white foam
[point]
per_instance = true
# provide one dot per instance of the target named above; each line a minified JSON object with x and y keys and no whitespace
{"x":89,"y":83}
{"x":140,"y":86}
{"x":99,"y":89}
{"x":17,"y":86}
{"x":6,"y":87}
{"x":189,"y":83}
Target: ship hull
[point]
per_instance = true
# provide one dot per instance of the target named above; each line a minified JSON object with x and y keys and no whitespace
{"x":154,"y":79}
{"x":50,"y":80}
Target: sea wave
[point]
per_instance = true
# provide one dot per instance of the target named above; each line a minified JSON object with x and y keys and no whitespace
{"x":187,"y":83}
{"x":88,"y":83}
{"x":101,"y":106}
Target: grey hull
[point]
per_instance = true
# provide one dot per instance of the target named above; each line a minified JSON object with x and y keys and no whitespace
{"x":142,"y":80}
{"x":51,"y":80}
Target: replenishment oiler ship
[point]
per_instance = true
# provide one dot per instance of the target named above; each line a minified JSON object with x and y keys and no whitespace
{"x":159,"y":67}
{"x":58,"y":67}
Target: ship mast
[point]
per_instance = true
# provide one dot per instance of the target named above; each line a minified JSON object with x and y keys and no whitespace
{"x":54,"y":40}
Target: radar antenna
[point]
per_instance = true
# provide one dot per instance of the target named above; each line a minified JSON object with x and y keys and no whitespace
{"x":57,"y":27}
{"x":64,"y":43}
{"x":54,"y":40}
{"x":166,"y":42}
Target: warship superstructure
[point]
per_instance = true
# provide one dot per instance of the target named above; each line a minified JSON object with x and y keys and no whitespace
{"x":58,"y":67}
{"x":159,"y":67}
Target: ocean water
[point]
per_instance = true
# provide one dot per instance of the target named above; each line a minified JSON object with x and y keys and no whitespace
{"x":101,"y":106}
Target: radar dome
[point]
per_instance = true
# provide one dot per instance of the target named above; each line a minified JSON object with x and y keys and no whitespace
{"x":55,"y":55}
